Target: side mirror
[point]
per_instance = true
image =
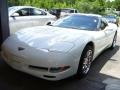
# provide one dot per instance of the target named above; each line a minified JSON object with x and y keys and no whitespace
{"x":15,"y":15}
{"x":49,"y":23}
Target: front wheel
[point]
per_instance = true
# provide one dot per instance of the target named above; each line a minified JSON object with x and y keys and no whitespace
{"x":85,"y":61}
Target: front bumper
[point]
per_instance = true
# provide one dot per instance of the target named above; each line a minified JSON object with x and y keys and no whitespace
{"x":22,"y":64}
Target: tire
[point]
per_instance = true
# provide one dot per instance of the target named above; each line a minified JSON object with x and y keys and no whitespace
{"x":85,"y":61}
{"x":114,"y":41}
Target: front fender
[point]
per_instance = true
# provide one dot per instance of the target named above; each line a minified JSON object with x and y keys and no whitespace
{"x":78,"y":49}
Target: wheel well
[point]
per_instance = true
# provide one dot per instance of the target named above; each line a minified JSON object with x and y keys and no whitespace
{"x":91,"y":44}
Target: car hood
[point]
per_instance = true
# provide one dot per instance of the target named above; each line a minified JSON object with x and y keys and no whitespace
{"x":47,"y":36}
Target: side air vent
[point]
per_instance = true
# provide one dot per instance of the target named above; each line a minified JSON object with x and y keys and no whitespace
{"x":38,"y":68}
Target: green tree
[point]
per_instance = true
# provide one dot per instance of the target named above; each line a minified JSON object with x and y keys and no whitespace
{"x":86,"y":6}
{"x":116,"y":4}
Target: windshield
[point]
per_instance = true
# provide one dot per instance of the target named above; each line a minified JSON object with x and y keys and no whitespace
{"x":83,"y":22}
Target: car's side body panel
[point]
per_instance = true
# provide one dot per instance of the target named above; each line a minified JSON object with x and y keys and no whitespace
{"x":17,"y":23}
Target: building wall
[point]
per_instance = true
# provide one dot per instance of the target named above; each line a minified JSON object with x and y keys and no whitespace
{"x":4,"y":26}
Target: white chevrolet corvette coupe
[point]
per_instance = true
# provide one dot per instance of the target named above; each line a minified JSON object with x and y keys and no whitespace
{"x":62,"y":49}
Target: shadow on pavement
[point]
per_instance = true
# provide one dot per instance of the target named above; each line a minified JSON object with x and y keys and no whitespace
{"x":100,"y":62}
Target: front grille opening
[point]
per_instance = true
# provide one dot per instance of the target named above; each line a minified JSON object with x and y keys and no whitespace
{"x":38,"y":68}
{"x":49,"y":76}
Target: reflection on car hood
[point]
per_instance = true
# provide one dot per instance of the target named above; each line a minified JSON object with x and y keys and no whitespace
{"x":47,"y":36}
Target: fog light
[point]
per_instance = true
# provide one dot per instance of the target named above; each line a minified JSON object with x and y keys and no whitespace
{"x":58,"y":69}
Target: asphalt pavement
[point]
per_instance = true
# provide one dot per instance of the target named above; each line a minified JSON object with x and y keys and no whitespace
{"x":104,"y":75}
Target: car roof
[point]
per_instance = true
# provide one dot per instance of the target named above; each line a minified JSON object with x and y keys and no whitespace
{"x":88,"y":14}
{"x":15,"y":8}
{"x":19,"y":7}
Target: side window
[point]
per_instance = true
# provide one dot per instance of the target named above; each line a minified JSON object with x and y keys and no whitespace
{"x":37,"y":12}
{"x":103,"y":25}
{"x":23,"y":12}
{"x":71,"y":11}
{"x":75,"y":11}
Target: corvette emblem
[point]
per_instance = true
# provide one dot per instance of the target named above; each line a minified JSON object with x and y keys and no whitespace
{"x":20,"y":48}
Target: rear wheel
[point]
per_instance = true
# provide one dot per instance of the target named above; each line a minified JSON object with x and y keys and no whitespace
{"x":114,"y":41}
{"x":85,"y":61}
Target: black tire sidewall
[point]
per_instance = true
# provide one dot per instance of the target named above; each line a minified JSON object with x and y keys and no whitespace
{"x":80,"y":72}
{"x":112,"y":46}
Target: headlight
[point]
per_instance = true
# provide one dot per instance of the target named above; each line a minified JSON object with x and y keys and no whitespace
{"x":62,"y":47}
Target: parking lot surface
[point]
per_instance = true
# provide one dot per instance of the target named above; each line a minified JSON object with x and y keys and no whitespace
{"x":103,"y":75}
